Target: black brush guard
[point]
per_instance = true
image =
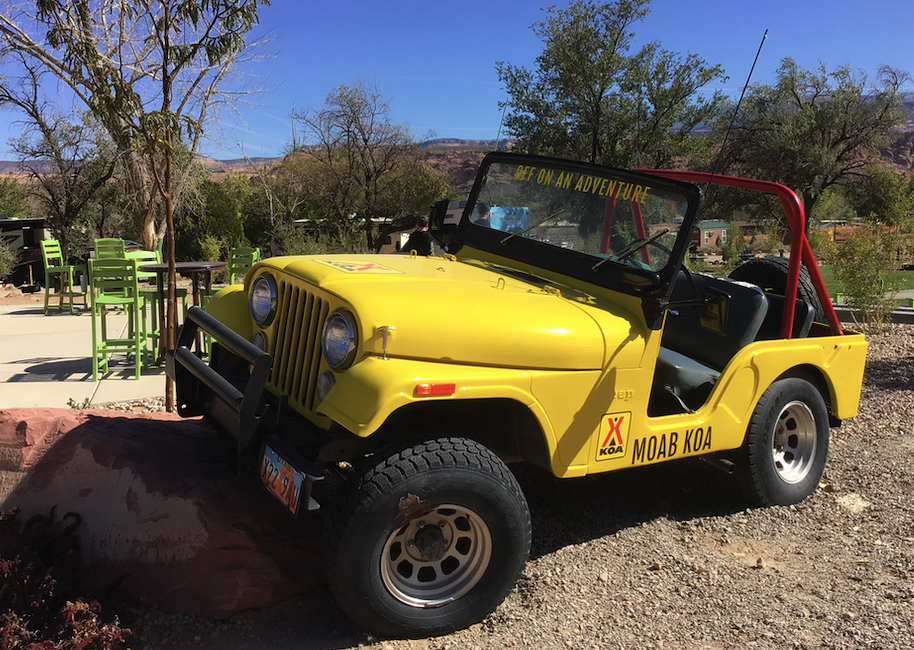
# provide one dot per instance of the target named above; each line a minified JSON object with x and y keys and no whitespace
{"x":238,"y":408}
{"x":241,"y":408}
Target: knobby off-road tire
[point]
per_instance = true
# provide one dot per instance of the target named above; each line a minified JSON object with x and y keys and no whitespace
{"x":770,"y":273}
{"x":426,"y":539}
{"x":786,"y":444}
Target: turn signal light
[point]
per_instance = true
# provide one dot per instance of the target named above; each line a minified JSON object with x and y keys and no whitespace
{"x":434,"y":390}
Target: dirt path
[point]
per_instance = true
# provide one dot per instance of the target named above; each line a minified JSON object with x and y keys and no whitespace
{"x":669,"y":557}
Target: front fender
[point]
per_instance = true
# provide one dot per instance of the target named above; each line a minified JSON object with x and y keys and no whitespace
{"x":368,"y":393}
{"x":230,"y":307}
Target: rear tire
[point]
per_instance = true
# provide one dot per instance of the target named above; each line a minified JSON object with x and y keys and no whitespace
{"x":786,"y":444}
{"x":427,"y":538}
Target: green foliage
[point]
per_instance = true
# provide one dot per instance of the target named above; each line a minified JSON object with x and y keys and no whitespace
{"x":862,"y":266}
{"x":588,"y":99}
{"x":14,"y":199}
{"x":364,"y":167}
{"x":39,"y":608}
{"x":833,"y":205}
{"x":8,"y":260}
{"x":819,"y":243}
{"x":295,"y":239}
{"x":214,"y":249}
{"x":215,"y":216}
{"x":885,"y":196}
{"x":73,"y":404}
{"x":110,"y":53}
{"x":735,"y":244}
{"x":813,"y":130}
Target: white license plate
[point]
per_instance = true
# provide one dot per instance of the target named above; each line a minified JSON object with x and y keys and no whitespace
{"x":281,"y":479}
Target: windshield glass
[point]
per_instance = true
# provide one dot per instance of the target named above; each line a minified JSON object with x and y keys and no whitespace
{"x":602,"y":212}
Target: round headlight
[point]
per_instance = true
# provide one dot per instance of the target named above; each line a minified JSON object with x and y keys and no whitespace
{"x":338,"y":341}
{"x":263,"y":300}
{"x":325,"y":382}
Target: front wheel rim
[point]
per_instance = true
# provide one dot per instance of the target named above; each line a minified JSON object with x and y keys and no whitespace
{"x":436,"y":557}
{"x":794,"y":442}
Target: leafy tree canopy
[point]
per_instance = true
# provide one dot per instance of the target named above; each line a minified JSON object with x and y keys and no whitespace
{"x":363,"y":167}
{"x":812,"y":130}
{"x":589,"y":99}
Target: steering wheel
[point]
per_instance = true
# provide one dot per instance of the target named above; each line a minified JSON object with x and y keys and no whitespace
{"x":694,"y":291}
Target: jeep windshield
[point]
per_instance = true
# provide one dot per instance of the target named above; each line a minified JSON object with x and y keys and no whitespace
{"x":605,"y":226}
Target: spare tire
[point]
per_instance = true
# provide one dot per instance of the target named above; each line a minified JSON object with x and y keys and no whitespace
{"x":770,"y":273}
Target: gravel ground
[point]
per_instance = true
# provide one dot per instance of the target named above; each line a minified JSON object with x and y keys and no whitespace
{"x":669,"y":557}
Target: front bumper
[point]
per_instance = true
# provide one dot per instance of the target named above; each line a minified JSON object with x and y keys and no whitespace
{"x":236,"y":404}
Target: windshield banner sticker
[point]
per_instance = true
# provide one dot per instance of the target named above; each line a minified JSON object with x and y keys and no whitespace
{"x":359,"y":267}
{"x":583,"y":183}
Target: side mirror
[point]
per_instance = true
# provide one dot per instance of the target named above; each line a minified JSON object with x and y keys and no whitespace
{"x":715,"y":311}
{"x":438,"y":213}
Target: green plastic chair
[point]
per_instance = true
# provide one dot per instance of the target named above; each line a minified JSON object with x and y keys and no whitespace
{"x":241,"y":260}
{"x":114,"y":283}
{"x":54,"y":266}
{"x":109,"y":248}
{"x":150,"y":294}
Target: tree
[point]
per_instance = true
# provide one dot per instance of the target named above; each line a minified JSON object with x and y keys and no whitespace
{"x":277,"y":195}
{"x":14,"y":198}
{"x":590,"y":100}
{"x":885,"y":196}
{"x":813,"y":130}
{"x":202,"y":34}
{"x":216,"y":216}
{"x":112,"y":56}
{"x":364,"y":159}
{"x":67,"y":162}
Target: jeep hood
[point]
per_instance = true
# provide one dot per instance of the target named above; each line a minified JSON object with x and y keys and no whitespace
{"x":443,"y":310}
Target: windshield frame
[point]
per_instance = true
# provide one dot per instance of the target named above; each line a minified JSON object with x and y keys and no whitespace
{"x":609,"y":273}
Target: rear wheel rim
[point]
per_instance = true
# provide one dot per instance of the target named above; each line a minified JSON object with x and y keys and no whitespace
{"x":436,"y":557}
{"x":794,"y":443}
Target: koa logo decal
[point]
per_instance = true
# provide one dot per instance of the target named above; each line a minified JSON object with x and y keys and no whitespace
{"x":358,"y":267}
{"x":613,"y":440}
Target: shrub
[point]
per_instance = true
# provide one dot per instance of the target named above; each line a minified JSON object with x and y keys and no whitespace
{"x":7,"y":260}
{"x":294,"y":239}
{"x":215,"y":249}
{"x":862,"y":266}
{"x":38,"y":571}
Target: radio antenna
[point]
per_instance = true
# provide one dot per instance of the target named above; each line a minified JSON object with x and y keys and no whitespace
{"x":735,"y":113}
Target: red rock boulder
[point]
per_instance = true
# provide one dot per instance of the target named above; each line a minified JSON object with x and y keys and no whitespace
{"x":164,"y":515}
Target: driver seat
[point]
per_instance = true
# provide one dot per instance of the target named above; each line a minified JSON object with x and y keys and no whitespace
{"x":691,"y":356}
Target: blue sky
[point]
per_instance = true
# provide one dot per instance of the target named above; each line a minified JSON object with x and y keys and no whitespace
{"x":435,"y":62}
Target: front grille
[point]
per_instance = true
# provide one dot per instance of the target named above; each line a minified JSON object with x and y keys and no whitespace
{"x":297,"y":349}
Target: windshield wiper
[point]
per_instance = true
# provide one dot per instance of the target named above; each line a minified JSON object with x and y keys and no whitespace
{"x":526,"y":230}
{"x":633,"y":247}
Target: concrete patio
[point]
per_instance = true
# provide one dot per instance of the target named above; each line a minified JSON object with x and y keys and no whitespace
{"x":46,"y":361}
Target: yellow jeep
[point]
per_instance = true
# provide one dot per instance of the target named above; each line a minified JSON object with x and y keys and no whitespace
{"x":562,"y":328}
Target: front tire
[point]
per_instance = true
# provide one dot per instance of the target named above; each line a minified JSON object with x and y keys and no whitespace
{"x":427,"y":539}
{"x":787,"y":443}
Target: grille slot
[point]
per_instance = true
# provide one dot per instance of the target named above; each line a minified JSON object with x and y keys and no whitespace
{"x":297,"y":347}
